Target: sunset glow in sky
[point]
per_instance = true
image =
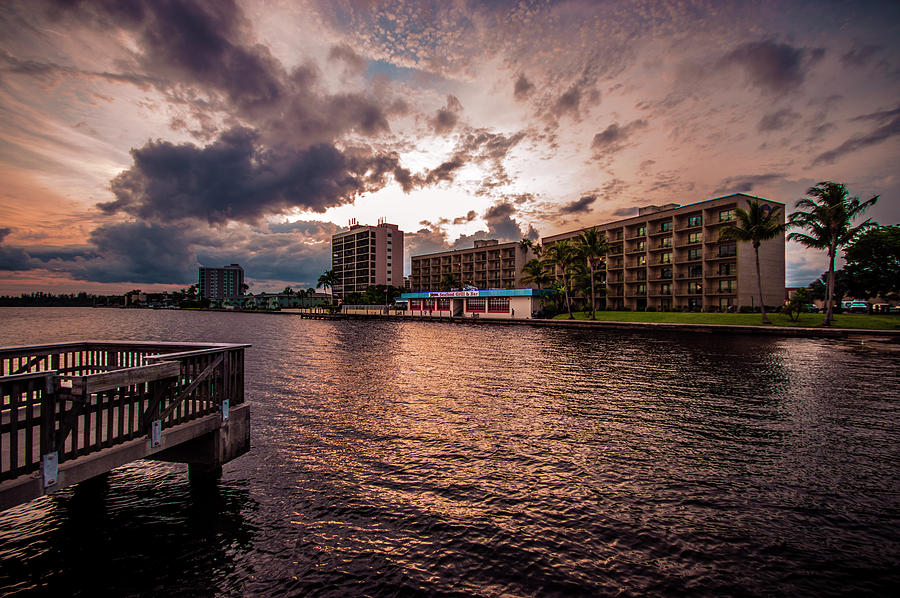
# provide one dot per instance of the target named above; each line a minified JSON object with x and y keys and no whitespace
{"x":141,"y":139}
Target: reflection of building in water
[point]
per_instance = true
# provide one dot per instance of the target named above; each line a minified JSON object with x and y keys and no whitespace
{"x":364,"y":256}
{"x":670,"y":257}
{"x":494,"y":303}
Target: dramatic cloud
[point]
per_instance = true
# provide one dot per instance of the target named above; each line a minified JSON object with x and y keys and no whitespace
{"x":747,"y":183}
{"x":889,"y":126}
{"x":771,"y":66}
{"x":12,"y":258}
{"x":258,"y":113}
{"x":469,"y":217}
{"x":234,"y":179}
{"x":446,"y":118}
{"x":579,"y":206}
{"x":523,"y":87}
{"x":612,"y":138}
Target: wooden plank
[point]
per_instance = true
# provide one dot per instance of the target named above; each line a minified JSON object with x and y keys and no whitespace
{"x":86,"y":385}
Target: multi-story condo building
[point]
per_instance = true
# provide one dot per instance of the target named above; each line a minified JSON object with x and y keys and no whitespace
{"x":367,"y":255}
{"x":488,"y":265}
{"x":670,"y":257}
{"x":221,"y":283}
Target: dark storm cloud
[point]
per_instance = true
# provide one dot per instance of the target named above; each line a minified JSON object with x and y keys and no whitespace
{"x":523,"y":87}
{"x":137,"y":252}
{"x":201,"y":56}
{"x":446,"y":118}
{"x":747,"y":182}
{"x":772,"y":66}
{"x":445,"y":171}
{"x":612,"y":138}
{"x":200,"y":42}
{"x":888,"y":122}
{"x":568,"y":102}
{"x":625,"y":212}
{"x":12,"y":258}
{"x":579,"y":206}
{"x":234,"y":179}
{"x":775,"y":121}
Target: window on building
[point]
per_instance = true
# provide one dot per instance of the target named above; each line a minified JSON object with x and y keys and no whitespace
{"x":642,"y":289}
{"x":666,"y":226}
{"x":665,"y":289}
{"x":665,"y":273}
{"x":729,"y":250}
{"x":695,"y":237}
{"x":443,"y":304}
{"x":727,"y":268}
{"x":666,"y":258}
{"x":726,"y":286}
{"x":725,"y":303}
{"x":694,"y":254}
{"x":667,"y":242}
{"x":641,"y":246}
{"x":695,"y":288}
{"x":726,"y":215}
{"x":695,"y":220}
{"x":642,"y":231}
{"x":428,"y":304}
{"x":475,"y":305}
{"x":695,"y":271}
{"x":642,"y":260}
{"x":498,"y":304}
{"x":415,"y":304}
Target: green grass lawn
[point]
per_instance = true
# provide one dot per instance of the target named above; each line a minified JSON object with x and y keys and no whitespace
{"x":858,"y":321}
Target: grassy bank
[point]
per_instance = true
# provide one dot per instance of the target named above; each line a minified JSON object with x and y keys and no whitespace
{"x":853,"y":321}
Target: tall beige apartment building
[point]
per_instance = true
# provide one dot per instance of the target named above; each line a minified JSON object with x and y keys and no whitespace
{"x":366,"y":255}
{"x":488,"y":265}
{"x":670,"y":257}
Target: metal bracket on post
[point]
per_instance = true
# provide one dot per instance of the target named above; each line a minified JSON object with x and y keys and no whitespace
{"x":50,"y":469}
{"x":155,"y":432}
{"x":225,"y":410}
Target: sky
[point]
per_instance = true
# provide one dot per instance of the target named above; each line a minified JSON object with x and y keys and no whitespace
{"x":141,"y":139}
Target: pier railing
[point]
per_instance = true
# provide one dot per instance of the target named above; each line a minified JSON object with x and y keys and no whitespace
{"x":60,"y":402}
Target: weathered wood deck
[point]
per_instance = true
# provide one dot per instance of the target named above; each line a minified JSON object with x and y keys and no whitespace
{"x":72,"y":411}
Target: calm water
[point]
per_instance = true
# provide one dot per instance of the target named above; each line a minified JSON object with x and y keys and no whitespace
{"x":434,"y":459}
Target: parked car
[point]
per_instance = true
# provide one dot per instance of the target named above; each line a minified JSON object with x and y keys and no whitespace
{"x":859,"y":307}
{"x":811,"y":308}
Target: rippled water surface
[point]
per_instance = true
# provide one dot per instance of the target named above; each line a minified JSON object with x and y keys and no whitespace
{"x":407,"y":458}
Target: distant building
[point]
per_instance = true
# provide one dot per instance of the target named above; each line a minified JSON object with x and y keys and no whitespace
{"x":221,"y":283}
{"x":364,"y":256}
{"x":488,"y":265}
{"x":670,"y":257}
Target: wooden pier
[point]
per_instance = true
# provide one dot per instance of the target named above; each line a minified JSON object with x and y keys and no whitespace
{"x":73,"y":411}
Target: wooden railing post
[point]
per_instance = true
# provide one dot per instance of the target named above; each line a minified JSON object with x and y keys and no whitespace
{"x":49,"y":450}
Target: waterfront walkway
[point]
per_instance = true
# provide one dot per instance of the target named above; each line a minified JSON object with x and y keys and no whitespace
{"x":73,"y":411}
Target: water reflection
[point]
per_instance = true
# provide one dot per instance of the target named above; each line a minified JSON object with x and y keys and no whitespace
{"x":405,"y":458}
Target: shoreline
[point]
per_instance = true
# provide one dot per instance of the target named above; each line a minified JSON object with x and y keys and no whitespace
{"x":742,"y":329}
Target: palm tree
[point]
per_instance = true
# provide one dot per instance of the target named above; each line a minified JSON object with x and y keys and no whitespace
{"x":562,"y":255}
{"x":534,"y":273}
{"x":830,"y":211}
{"x":527,"y":243}
{"x":327,"y":280}
{"x":757,"y":224}
{"x":591,"y":245}
{"x":449,"y":282}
